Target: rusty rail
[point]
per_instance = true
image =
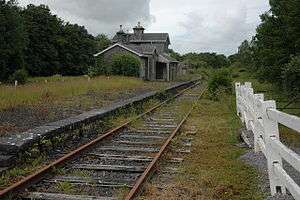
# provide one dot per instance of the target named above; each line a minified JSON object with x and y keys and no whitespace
{"x":38,"y":175}
{"x":136,"y":188}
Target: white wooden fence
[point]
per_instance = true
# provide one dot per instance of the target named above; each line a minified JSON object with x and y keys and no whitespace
{"x":262,"y":118}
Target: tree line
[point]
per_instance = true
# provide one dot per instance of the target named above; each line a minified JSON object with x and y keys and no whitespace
{"x":274,"y":53}
{"x":199,"y":60}
{"x":37,"y":42}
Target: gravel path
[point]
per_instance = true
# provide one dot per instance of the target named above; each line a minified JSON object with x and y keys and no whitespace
{"x":259,"y":161}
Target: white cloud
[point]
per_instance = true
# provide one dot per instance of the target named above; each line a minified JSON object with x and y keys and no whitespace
{"x":208,"y":25}
{"x":194,"y":25}
{"x":99,"y":16}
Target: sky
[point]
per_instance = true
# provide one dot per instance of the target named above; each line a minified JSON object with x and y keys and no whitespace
{"x":194,"y":25}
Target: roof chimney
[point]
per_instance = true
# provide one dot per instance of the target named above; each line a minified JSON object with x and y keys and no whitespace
{"x":121,"y":35}
{"x":121,"y":29}
{"x":138,"y":31}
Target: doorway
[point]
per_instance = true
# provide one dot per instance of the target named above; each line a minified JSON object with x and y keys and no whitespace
{"x":161,"y":69}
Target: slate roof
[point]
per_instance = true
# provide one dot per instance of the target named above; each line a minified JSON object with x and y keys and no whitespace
{"x":142,"y":49}
{"x":163,"y":37}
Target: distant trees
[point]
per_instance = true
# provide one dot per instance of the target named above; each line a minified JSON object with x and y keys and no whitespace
{"x":102,"y":42}
{"x":42,"y":35}
{"x":199,"y":60}
{"x":39,"y":42}
{"x":76,"y":50}
{"x":12,"y":40}
{"x":275,"y":49}
{"x":175,"y":55}
{"x":213,"y":60}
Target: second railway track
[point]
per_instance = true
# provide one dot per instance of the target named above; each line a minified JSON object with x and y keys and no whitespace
{"x":117,"y":163}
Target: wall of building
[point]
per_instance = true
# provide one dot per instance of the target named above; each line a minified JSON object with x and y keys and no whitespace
{"x":173,"y":71}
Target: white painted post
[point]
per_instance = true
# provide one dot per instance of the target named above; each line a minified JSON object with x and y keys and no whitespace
{"x":242,"y":109}
{"x":271,"y":131}
{"x":257,"y":97}
{"x":237,"y":93}
{"x":249,"y":100}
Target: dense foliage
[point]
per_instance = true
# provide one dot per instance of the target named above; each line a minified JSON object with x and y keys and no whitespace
{"x":291,"y":75}
{"x":12,"y":40}
{"x":35,"y":40}
{"x":220,"y":80}
{"x":271,"y":54}
{"x":102,"y":42}
{"x":198,"y":60}
{"x":122,"y":64}
{"x":125,"y":64}
{"x":202,"y":60}
{"x":100,"y":68}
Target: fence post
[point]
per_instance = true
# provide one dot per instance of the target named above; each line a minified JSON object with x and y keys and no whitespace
{"x":258,"y":116}
{"x":270,"y":131}
{"x":249,"y":100}
{"x":237,"y":93}
{"x":243,"y":115}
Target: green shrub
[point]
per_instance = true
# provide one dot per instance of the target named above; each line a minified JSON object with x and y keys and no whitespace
{"x":20,"y":75}
{"x":291,"y":76}
{"x":125,"y":64}
{"x":100,"y":68}
{"x":219,"y":81}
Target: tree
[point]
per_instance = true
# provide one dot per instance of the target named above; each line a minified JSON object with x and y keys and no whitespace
{"x":125,"y":64}
{"x":175,"y":55}
{"x":277,"y":39}
{"x":102,"y":42}
{"x":56,"y":47}
{"x":198,"y":60}
{"x":291,"y":75}
{"x":12,"y":43}
{"x":43,"y":30}
{"x":76,"y":49}
{"x":245,"y":53}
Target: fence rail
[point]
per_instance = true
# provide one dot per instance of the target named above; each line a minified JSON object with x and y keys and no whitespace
{"x":262,"y":118}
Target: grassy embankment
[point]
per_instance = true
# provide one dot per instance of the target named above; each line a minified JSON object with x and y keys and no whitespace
{"x":39,"y":90}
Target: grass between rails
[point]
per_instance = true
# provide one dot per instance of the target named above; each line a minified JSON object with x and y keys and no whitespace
{"x":58,"y":88}
{"x":213,"y":169}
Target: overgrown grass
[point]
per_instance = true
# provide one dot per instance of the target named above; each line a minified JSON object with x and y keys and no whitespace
{"x":213,"y":170}
{"x":65,"y":187}
{"x":17,"y":173}
{"x":57,"y":88}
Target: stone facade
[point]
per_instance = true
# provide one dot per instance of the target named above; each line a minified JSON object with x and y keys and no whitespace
{"x":152,"y":50}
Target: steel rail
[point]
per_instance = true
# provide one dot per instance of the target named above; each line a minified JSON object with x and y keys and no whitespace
{"x":138,"y":185}
{"x":39,"y":174}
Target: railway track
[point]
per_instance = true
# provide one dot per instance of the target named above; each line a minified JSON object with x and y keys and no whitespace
{"x":116,"y":164}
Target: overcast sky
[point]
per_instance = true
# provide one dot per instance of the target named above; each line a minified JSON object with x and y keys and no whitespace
{"x":194,"y":25}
